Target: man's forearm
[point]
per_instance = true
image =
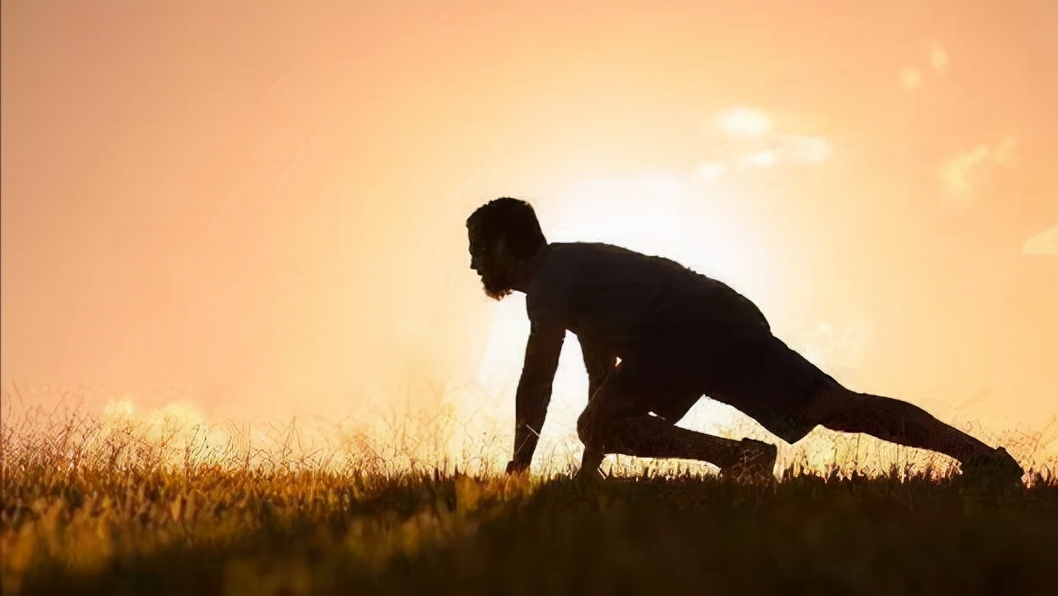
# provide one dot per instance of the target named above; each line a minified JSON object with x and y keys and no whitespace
{"x":534,"y":388}
{"x":530,"y":410}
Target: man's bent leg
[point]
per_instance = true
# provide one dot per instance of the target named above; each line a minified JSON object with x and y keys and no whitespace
{"x":613,"y":423}
{"x":590,"y":462}
{"x":840,"y":409}
{"x":650,"y":436}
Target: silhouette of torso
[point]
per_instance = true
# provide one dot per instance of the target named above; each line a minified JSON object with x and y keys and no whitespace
{"x":615,"y":299}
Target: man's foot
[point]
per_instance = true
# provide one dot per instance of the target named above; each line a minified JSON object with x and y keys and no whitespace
{"x":755,"y":463}
{"x":996,"y":469}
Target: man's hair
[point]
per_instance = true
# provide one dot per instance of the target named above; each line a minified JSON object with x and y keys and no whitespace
{"x":512,"y":219}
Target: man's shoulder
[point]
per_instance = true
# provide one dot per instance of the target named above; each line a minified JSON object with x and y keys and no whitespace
{"x":589,"y":257}
{"x":566,"y":253}
{"x":562,"y":266}
{"x":568,"y":264}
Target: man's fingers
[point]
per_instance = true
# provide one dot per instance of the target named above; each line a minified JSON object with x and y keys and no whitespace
{"x":514,"y":467}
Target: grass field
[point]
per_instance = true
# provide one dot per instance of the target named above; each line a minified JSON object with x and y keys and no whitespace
{"x":91,"y":509}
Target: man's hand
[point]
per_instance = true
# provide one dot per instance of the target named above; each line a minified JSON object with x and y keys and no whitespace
{"x":514,"y":467}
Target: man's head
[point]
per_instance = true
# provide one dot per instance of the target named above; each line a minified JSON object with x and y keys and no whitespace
{"x":503,"y":233}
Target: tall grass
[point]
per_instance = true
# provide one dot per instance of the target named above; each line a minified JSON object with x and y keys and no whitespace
{"x":131,"y":501}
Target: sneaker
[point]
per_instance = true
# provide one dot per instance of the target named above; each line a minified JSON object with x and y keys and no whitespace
{"x":755,"y":463}
{"x":996,"y":469}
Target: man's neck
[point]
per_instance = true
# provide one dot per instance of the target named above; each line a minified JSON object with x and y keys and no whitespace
{"x":528,"y":268}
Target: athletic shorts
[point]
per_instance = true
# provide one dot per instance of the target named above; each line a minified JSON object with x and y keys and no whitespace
{"x":756,"y":373}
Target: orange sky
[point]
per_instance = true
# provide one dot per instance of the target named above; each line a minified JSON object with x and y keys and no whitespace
{"x":259,"y":207}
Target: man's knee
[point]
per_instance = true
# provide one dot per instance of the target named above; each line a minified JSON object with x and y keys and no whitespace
{"x":609,"y":404}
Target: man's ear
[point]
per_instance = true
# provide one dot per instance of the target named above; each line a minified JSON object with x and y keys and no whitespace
{"x":500,"y":247}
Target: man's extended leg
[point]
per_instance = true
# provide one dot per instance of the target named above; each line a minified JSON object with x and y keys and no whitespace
{"x":789,"y":396}
{"x":841,"y":409}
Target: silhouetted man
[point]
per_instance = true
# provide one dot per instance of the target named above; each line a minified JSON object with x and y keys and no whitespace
{"x":679,"y":335}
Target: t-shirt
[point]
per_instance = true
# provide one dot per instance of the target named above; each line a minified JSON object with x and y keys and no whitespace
{"x":614,"y":298}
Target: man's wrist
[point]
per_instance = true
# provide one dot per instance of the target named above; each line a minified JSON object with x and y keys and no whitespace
{"x":525,"y":439}
{"x":522,"y":458}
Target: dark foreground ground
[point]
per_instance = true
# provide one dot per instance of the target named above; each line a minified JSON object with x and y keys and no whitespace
{"x":304,"y":532}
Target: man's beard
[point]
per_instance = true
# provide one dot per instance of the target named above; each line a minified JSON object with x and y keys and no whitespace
{"x":495,"y":285}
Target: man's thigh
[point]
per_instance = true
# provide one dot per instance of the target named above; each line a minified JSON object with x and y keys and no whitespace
{"x":771,"y":383}
{"x":645,"y":384}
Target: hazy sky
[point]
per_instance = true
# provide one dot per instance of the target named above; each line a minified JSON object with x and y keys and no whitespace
{"x":260,"y":207}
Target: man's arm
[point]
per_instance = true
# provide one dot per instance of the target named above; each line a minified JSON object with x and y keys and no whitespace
{"x":534,"y":389}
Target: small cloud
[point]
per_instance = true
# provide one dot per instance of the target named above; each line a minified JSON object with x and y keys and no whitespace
{"x":743,"y":120}
{"x":960,"y":172}
{"x":938,"y":56}
{"x":1045,"y":243}
{"x":763,"y":159}
{"x":748,"y":138}
{"x":910,"y":78}
{"x":790,"y":149}
{"x":807,"y":148}
{"x":965,"y":172}
{"x":710,"y":170}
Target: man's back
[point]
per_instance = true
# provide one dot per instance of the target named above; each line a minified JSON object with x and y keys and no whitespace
{"x":616,"y":297}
